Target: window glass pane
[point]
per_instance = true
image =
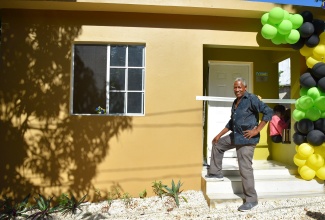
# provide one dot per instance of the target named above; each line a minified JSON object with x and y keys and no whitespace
{"x":89,"y":82}
{"x":118,"y":55}
{"x":116,"y":102}
{"x":135,"y":81}
{"x":117,"y":79}
{"x":135,"y":102}
{"x":135,"y":57}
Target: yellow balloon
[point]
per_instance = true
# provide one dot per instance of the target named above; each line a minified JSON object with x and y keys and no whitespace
{"x":296,"y":148}
{"x":311,"y":61}
{"x":305,"y":150}
{"x":322,"y":38}
{"x":307,"y":173}
{"x":315,"y":161}
{"x":299,"y":160}
{"x":319,"y":52}
{"x":320,"y":150}
{"x":306,"y":51}
{"x":320,"y":173}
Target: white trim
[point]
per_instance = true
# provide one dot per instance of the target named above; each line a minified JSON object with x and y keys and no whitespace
{"x":227,"y":99}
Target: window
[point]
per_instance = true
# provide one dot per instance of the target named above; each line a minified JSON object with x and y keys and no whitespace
{"x":110,"y":77}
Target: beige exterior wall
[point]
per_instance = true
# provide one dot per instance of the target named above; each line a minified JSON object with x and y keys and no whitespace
{"x":47,"y":150}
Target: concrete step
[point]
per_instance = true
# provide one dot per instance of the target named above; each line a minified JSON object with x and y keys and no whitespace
{"x":272,"y":180}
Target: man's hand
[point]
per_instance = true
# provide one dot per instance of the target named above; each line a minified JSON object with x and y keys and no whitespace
{"x":250,"y":133}
{"x":215,"y":139}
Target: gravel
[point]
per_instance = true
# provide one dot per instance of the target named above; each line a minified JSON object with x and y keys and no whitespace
{"x":196,"y":207}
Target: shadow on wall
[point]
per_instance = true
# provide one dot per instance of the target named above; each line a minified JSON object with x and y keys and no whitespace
{"x":42,"y":146}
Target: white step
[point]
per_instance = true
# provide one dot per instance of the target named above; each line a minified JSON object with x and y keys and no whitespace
{"x":272,"y":179}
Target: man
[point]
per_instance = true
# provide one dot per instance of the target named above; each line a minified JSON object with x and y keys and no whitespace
{"x":245,"y":127}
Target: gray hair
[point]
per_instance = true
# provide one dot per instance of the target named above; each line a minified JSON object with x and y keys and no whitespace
{"x":242,"y":80}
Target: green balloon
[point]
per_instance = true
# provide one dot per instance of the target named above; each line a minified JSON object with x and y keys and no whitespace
{"x":278,"y":39}
{"x":276,"y":15}
{"x":268,"y":31}
{"x":313,"y":92}
{"x":305,"y":102}
{"x":313,"y":114}
{"x":264,"y":18}
{"x":320,"y":103}
{"x":296,"y":20}
{"x":322,"y":115}
{"x":297,"y":115}
{"x":286,"y":15}
{"x":303,"y":91}
{"x":285,"y":27}
{"x":293,"y":37}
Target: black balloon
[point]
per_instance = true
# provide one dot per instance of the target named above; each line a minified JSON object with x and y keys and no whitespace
{"x":307,"y":16}
{"x":306,"y":29}
{"x":295,"y":126}
{"x":300,"y":43}
{"x":312,"y":41}
{"x":315,"y":137}
{"x":307,"y":80}
{"x":321,"y":84}
{"x":319,"y":26}
{"x":305,"y":126}
{"x":320,"y":125}
{"x":318,"y":70}
{"x":299,"y":138}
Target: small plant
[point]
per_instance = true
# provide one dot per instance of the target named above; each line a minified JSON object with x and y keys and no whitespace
{"x":45,"y":210}
{"x":174,"y":191}
{"x":10,"y":210}
{"x":143,"y":194}
{"x":70,"y":205}
{"x":100,"y":110}
{"x":98,"y":194}
{"x":158,"y":188}
{"x":127,"y":199}
{"x":116,"y":191}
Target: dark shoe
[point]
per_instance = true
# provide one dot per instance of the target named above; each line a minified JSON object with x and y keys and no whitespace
{"x":247,"y":206}
{"x":218,"y":177}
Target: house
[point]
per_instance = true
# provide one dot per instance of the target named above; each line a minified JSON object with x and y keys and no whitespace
{"x":143,"y":63}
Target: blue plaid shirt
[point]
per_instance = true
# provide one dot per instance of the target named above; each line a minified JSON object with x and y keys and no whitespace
{"x":246,"y":117}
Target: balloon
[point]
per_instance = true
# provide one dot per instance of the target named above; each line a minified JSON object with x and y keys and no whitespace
{"x":318,"y":70}
{"x":305,"y":102}
{"x":307,"y":173}
{"x":299,"y":138}
{"x":322,"y":115}
{"x":307,"y":80}
{"x":315,"y":161}
{"x":276,"y":15}
{"x":311,"y":62}
{"x":305,"y":125}
{"x":264,"y":18}
{"x":319,"y":52}
{"x":322,"y":38}
{"x":312,"y":41}
{"x":285,"y":27}
{"x":321,"y":84}
{"x":306,"y":51}
{"x":299,"y":44}
{"x":315,"y":137}
{"x":313,"y":92}
{"x":278,"y":39}
{"x":268,"y":31}
{"x":305,"y":150}
{"x":320,"y":123}
{"x":319,"y":103}
{"x":313,"y":114}
{"x":298,"y":115}
{"x":296,"y":20}
{"x":306,"y":29}
{"x":303,"y":90}
{"x":307,"y":16}
{"x":295,"y":126}
{"x":293,"y":37}
{"x":320,"y":150}
{"x":320,"y":173}
{"x":299,"y":160}
{"x":319,"y":26}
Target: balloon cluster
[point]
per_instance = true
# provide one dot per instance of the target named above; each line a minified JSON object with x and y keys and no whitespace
{"x":280,"y":26}
{"x":305,"y":34}
{"x":312,"y":39}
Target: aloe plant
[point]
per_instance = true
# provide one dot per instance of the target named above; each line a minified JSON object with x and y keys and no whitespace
{"x":70,"y":205}
{"x":43,"y":207}
{"x":11,"y":210}
{"x":174,"y":191}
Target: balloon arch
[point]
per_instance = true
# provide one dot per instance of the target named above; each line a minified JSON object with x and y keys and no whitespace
{"x":306,"y":34}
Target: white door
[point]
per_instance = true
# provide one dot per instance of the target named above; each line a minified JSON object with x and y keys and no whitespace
{"x":221,"y":82}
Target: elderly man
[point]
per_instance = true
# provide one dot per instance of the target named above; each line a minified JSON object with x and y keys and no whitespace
{"x":245,"y":126}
